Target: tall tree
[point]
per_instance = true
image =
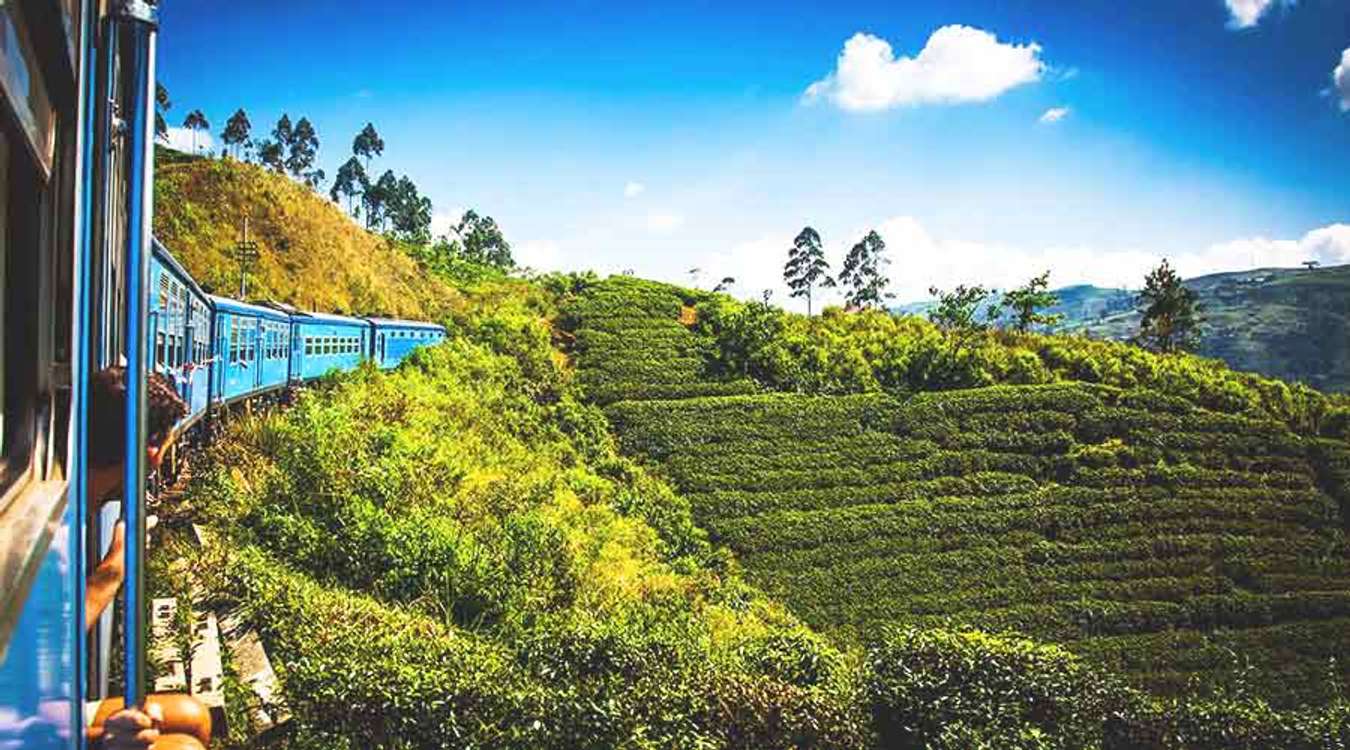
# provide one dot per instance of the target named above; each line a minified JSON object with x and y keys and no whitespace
{"x":806,"y":266}
{"x":1026,"y":302}
{"x":162,"y":105}
{"x":375,"y":199}
{"x":483,"y":240}
{"x":1172,"y":318}
{"x":301,"y":152}
{"x":236,"y":132}
{"x":409,"y":213}
{"x":196,"y":121}
{"x":350,"y":181}
{"x":863,"y":273}
{"x":368,"y":144}
{"x":272,"y":155}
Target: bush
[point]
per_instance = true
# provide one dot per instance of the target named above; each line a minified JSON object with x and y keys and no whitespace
{"x":939,"y":689}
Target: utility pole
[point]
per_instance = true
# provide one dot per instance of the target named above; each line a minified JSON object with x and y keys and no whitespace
{"x":245,"y":253}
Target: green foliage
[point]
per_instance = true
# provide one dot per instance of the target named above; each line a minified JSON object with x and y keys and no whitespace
{"x":863,"y":275}
{"x":1171,"y":318}
{"x":481,"y":241}
{"x":839,"y":352}
{"x":1026,"y":302}
{"x":806,"y":266}
{"x":956,"y":313}
{"x":628,"y":341}
{"x":940,"y":689}
{"x":1075,"y":513}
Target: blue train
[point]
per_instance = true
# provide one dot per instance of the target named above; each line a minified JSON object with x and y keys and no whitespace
{"x":219,"y":350}
{"x":83,"y":287}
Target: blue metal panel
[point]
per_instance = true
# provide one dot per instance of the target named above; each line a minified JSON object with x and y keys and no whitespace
{"x":325,"y":343}
{"x":395,"y":340}
{"x":38,"y":670}
{"x":181,"y":323}
{"x":247,"y":361}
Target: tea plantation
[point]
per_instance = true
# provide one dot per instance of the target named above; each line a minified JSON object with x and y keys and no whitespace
{"x":631,"y":343}
{"x":1185,"y":548}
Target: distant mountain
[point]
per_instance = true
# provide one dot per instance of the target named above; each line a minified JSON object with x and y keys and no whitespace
{"x":1288,"y":323}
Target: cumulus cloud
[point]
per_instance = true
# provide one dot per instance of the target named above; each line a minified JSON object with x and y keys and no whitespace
{"x":1340,"y":80}
{"x":958,"y":64}
{"x":634,"y":189}
{"x":1245,"y":14}
{"x":921,"y":260}
{"x":1053,"y":115}
{"x":541,"y":255}
{"x":180,"y":139}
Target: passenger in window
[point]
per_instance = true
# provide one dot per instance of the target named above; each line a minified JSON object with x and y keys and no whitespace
{"x":107,"y":444}
{"x":126,"y":729}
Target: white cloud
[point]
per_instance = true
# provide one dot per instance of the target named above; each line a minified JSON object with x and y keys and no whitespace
{"x":958,"y":64}
{"x":1053,"y":115}
{"x":443,"y":221}
{"x":664,"y":222}
{"x":1340,"y":80}
{"x":1245,"y":14}
{"x":180,"y":139}
{"x":633,"y":189}
{"x":541,"y":255}
{"x":921,"y":260}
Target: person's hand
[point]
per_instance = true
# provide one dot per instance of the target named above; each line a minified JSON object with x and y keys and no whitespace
{"x":131,"y":729}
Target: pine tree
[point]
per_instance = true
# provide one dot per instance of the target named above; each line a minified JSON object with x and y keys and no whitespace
{"x":1171,"y":319}
{"x":806,"y":266}
{"x":862,"y":274}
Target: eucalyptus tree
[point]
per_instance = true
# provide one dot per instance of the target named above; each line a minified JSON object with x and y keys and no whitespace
{"x":368,"y":144}
{"x":806,"y":266}
{"x":863,"y":275}
{"x":195,"y":122}
{"x":236,"y":132}
{"x":350,"y":181}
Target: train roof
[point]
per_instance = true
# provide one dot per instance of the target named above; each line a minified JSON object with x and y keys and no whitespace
{"x":329,"y":318}
{"x":235,"y":306}
{"x":398,"y":322}
{"x":166,"y":257}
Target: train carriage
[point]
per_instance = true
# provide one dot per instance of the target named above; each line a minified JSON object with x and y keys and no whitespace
{"x":395,"y":339}
{"x":321,"y":343}
{"x":252,"y":343}
{"x":180,"y":330}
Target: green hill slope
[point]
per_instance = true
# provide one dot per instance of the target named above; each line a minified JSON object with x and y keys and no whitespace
{"x":1168,"y":541}
{"x":1286,"y":323}
{"x":311,"y":254}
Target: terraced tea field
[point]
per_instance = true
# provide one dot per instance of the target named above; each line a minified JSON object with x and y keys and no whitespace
{"x":1177,"y":545}
{"x":1171,"y":543}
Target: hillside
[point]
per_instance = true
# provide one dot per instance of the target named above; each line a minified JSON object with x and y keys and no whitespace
{"x":622,"y":514}
{"x":311,"y":254}
{"x":1292,"y":324}
{"x":1173,"y":543}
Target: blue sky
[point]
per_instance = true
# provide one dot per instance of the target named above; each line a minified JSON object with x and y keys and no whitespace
{"x":987,"y":141}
